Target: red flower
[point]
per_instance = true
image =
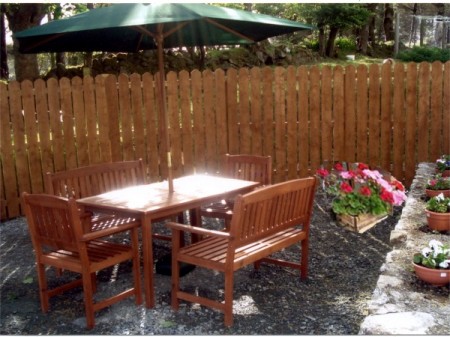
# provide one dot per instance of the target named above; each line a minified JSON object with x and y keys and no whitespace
{"x":398,"y":185}
{"x":346,"y":188}
{"x":363,"y":166}
{"x":365,"y":191}
{"x":432,"y":182}
{"x":338,"y":167}
{"x":386,"y":196}
{"x":323,"y":172}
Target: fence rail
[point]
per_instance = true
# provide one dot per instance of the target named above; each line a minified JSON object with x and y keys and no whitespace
{"x":391,"y":116}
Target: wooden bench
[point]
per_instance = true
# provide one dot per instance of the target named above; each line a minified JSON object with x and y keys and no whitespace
{"x":95,"y":179}
{"x":264,"y":221}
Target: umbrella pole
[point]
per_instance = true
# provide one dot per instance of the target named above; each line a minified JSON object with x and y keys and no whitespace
{"x":164,"y":125}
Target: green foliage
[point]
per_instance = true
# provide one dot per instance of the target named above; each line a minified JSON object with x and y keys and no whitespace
{"x":435,"y":256}
{"x":424,"y":54}
{"x":438,"y":183}
{"x":346,"y":44}
{"x":341,"y":16}
{"x":439,"y":204}
{"x":312,"y":44}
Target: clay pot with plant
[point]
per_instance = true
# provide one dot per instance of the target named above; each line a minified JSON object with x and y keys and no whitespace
{"x":432,"y":264}
{"x":438,"y":213}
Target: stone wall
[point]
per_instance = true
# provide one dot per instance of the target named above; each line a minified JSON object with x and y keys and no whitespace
{"x":401,"y":303}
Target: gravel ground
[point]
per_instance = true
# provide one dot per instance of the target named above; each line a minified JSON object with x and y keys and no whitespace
{"x":343,"y":271}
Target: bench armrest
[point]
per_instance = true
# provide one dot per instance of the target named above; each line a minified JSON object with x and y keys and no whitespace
{"x":197,"y":230}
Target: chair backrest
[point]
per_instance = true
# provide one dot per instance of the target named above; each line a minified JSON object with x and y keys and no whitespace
{"x":271,"y":209}
{"x":53,"y":222}
{"x":249,"y":167}
{"x":91,"y":180}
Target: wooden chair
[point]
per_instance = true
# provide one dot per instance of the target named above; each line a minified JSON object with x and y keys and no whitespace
{"x":265,"y":221}
{"x":241,"y":166}
{"x":58,"y":238}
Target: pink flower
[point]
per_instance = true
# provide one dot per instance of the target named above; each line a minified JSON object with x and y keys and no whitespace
{"x":399,"y":197}
{"x":347,"y":174}
{"x":372,"y":174}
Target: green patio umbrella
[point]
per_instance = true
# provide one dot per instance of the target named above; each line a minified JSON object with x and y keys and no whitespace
{"x":132,"y":27}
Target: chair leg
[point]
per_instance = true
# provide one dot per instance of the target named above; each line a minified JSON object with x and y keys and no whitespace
{"x":136,"y":267}
{"x":176,"y":241}
{"x":88,"y":299}
{"x":228,"y":312}
{"x":94,"y":282}
{"x":43,"y":287}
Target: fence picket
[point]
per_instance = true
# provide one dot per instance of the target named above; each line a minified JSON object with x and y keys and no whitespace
{"x":435,"y":111}
{"x":423,"y":107}
{"x":388,"y":117}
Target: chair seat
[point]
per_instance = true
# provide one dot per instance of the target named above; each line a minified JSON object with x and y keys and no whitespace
{"x":212,"y":252}
{"x":101,"y":254}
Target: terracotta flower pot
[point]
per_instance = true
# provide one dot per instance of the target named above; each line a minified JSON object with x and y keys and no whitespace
{"x":438,"y":221}
{"x":437,"y":277}
{"x":446,"y":173}
{"x":433,"y":193}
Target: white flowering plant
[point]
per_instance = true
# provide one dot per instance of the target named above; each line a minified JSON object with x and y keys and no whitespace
{"x":443,"y":163}
{"x":435,"y":256}
{"x":438,"y":204}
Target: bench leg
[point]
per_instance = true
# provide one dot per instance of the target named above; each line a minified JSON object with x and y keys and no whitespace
{"x":304,"y":260}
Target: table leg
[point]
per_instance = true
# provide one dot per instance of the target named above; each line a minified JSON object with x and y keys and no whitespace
{"x":147,"y":247}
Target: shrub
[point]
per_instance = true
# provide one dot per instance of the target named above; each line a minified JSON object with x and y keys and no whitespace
{"x":346,"y":44}
{"x":424,"y":54}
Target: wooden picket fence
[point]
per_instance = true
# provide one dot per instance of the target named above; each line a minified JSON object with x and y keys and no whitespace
{"x":391,"y":116}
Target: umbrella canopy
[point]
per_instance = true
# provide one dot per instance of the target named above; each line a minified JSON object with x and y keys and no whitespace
{"x":132,"y":27}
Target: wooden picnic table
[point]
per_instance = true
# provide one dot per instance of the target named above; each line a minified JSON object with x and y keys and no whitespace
{"x":153,"y":201}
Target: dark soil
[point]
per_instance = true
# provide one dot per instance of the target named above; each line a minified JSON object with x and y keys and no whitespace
{"x":343,"y":271}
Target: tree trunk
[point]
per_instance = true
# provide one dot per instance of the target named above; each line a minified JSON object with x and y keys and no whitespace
{"x":412,"y":34}
{"x":371,"y":21}
{"x":363,"y":39}
{"x":248,"y":6}
{"x":20,"y":17}
{"x":321,"y":41}
{"x":330,"y":43}
{"x":388,"y":23}
{"x":4,"y":73}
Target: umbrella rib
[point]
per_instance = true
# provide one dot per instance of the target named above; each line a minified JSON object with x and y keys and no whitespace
{"x":228,"y":29}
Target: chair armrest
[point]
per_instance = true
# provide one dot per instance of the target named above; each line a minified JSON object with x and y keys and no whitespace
{"x":109,"y":231}
{"x":198,"y":230}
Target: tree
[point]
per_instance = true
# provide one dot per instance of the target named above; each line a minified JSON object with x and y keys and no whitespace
{"x":3,"y":54}
{"x":388,"y":23}
{"x":20,"y":17}
{"x":335,"y":18}
{"x":367,"y":32}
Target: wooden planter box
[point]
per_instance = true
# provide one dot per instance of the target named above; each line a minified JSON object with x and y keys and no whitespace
{"x":360,"y":223}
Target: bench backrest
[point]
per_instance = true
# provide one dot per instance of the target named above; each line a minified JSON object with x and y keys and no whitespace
{"x":272,"y":209}
{"x":95,"y":179}
{"x":249,"y":167}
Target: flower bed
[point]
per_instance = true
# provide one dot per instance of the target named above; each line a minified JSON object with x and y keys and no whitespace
{"x":361,"y":197}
